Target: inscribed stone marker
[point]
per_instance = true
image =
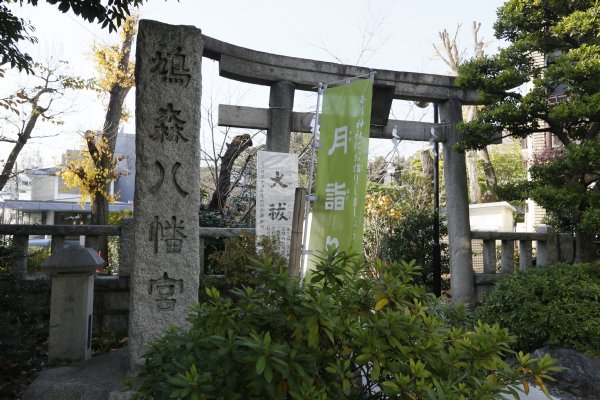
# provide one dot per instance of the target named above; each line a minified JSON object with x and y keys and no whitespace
{"x":166,"y":265}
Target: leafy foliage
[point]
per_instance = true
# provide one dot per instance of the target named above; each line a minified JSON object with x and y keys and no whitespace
{"x":412,"y":239}
{"x":553,"y":305}
{"x":14,"y":29}
{"x":563,"y":183}
{"x":115,"y":79}
{"x":110,"y":57}
{"x":33,"y":103}
{"x":399,"y":222}
{"x":508,"y":162}
{"x":24,"y":316}
{"x":112,"y":264}
{"x":342,"y":335}
{"x":9,"y":253}
{"x":382,"y":212}
{"x":84,"y":169}
{"x":555,"y":46}
{"x":238,"y":251}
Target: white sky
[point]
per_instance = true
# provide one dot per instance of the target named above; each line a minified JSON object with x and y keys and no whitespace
{"x":403,"y":35}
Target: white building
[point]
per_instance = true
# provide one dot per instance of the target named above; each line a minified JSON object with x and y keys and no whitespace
{"x":50,"y":202}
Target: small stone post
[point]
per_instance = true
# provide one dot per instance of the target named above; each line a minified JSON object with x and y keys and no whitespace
{"x":489,"y":256}
{"x":72,"y":269}
{"x":457,"y":205}
{"x":507,"y":261}
{"x":56,"y":243}
{"x":166,"y":266}
{"x":547,"y":250}
{"x":19,"y":267}
{"x":126,"y":243}
{"x":566,"y":251}
{"x":525,"y":258}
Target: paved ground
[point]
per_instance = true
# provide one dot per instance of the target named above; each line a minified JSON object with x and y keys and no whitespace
{"x":537,"y":394}
{"x":534,"y":394}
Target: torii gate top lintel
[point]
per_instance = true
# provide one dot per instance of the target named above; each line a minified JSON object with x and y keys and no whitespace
{"x":257,"y":67}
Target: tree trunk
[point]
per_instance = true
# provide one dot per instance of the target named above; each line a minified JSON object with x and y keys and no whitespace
{"x":585,"y":247}
{"x":427,"y":164}
{"x":21,"y":142}
{"x":100,"y":217}
{"x":490,"y":176}
{"x":110,"y":130}
{"x":234,"y":149}
{"x":474,"y":190}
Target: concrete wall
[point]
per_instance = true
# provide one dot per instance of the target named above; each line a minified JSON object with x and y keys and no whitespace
{"x":64,"y":193}
{"x":125,"y":147}
{"x":42,"y":187}
{"x":492,"y":217}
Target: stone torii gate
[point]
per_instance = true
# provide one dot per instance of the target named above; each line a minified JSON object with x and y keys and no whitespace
{"x":285,"y":75}
{"x":165,"y":276}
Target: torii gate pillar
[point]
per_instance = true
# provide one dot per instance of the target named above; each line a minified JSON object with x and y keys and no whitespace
{"x":457,"y":205}
{"x":281,"y":105}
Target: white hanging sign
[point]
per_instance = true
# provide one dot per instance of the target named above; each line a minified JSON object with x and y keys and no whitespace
{"x":276,"y":182}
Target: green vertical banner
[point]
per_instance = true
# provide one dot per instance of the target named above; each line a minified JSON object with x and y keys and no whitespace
{"x":340,"y":186}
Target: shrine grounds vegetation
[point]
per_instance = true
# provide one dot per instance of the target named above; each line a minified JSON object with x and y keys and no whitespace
{"x":555,"y":305}
{"x":344,"y":334}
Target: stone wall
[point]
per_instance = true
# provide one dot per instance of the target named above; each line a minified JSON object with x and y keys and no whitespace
{"x":111,"y":304}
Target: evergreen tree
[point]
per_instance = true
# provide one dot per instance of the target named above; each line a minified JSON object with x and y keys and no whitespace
{"x":559,"y":95}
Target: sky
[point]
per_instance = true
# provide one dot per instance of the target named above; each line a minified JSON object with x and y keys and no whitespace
{"x":385,"y":34}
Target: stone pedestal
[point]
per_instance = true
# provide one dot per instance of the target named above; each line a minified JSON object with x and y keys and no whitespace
{"x":166,"y":266}
{"x":72,"y":270}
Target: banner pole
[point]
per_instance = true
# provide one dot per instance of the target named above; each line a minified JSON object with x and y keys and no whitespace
{"x":310,"y":181}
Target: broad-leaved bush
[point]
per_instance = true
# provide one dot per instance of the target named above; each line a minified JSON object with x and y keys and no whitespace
{"x":555,"y":305}
{"x":342,"y":335}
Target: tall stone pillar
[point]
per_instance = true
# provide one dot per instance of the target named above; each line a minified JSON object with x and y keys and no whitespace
{"x":281,"y":105}
{"x":457,"y":206}
{"x":166,"y":267}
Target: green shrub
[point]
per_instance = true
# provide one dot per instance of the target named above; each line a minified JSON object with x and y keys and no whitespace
{"x":412,"y":239}
{"x":555,"y":305}
{"x":399,"y":225}
{"x":24,"y":302}
{"x":9,"y":253}
{"x":35,"y":257}
{"x":237,"y":252}
{"x":342,"y":335}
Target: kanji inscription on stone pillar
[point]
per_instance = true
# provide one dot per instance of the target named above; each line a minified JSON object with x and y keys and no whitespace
{"x":166,"y":270}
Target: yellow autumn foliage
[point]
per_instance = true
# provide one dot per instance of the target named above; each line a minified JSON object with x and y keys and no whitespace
{"x":83,"y":169}
{"x":382,"y":212}
{"x":109,"y":58}
{"x":381,"y":206}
